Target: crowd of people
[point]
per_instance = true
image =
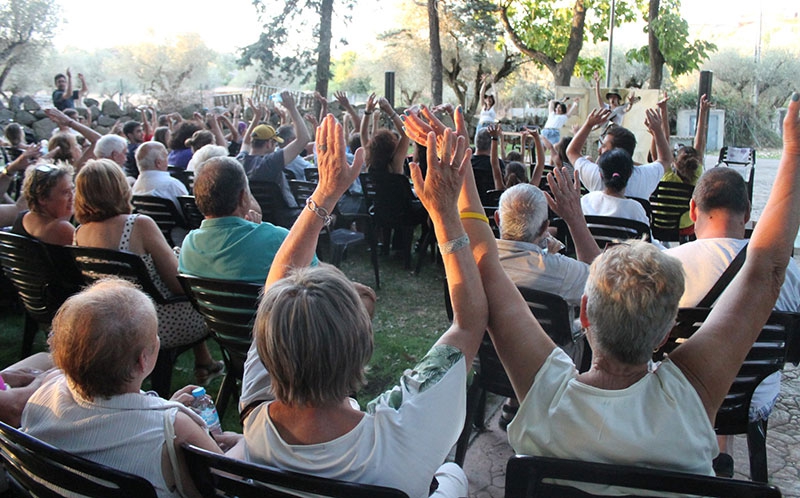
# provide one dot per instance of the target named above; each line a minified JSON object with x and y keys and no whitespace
{"x":599,"y":399}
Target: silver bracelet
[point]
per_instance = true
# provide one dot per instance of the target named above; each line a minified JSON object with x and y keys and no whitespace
{"x":320,"y":211}
{"x":454,"y":245}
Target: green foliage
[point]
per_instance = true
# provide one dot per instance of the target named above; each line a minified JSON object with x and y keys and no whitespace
{"x":26,"y":28}
{"x":348,"y":77}
{"x":672,"y":32}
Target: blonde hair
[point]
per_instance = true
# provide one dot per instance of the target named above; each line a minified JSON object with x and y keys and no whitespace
{"x":632,"y":300}
{"x":99,"y":334}
{"x":101,"y":191}
{"x":40,"y":181}
{"x":314,"y":336}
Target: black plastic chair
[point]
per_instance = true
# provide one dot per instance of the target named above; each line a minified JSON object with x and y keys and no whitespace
{"x":544,"y":477}
{"x":339,"y":239}
{"x":743,"y":160}
{"x":184,"y":176}
{"x":96,"y":263}
{"x":552,"y":313}
{"x":273,"y":206}
{"x":312,"y":174}
{"x":779,"y":336}
{"x":39,"y":469}
{"x":218,"y":475}
{"x":609,"y":230}
{"x":44,"y":278}
{"x":191,"y":213}
{"x":229,"y":308}
{"x":163,"y":211}
{"x":395,"y":209}
{"x":493,"y":197}
{"x":670,"y":201}
{"x":484,"y":181}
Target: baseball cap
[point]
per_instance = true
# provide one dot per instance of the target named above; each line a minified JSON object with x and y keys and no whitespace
{"x":266,"y":132}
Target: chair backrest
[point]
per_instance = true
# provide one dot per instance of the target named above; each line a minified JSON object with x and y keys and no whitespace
{"x":312,"y":174}
{"x":229,"y":308}
{"x":648,"y":209}
{"x":552,"y":313}
{"x":544,"y":477}
{"x":96,"y":263}
{"x":669,"y":201}
{"x":302,"y":190}
{"x":163,"y":211}
{"x":42,"y":285}
{"x":743,"y":160}
{"x":191,"y":213}
{"x":184,"y":176}
{"x":392,"y":200}
{"x":45,"y":471}
{"x":767,"y":355}
{"x":493,"y":197}
{"x":269,"y":197}
{"x":218,"y":475}
{"x":611,"y":230}
{"x":484,"y":181}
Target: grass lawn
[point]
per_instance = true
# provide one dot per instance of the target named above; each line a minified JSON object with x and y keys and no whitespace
{"x":409,"y":318}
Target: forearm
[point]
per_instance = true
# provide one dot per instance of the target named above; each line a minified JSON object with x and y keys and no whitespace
{"x":576,"y":145}
{"x":536,"y":176}
{"x":497,"y":175}
{"x":364,"y":128}
{"x":700,"y":135}
{"x":663,"y":149}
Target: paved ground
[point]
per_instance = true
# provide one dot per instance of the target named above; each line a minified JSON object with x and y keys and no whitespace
{"x":489,"y":452}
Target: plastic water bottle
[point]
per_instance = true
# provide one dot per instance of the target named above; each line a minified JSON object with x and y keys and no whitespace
{"x":203,"y":405}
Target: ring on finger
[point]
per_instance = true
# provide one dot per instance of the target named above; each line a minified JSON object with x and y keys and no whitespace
{"x":323,"y":148}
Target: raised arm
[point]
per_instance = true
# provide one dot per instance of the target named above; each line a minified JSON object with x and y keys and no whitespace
{"x":565,"y":200}
{"x":369,"y":108}
{"x":294,"y":147}
{"x":258,"y":113}
{"x":521,"y":343}
{"x":662,"y":107}
{"x":84,"y":88}
{"x":213,"y":124}
{"x":711,"y":358}
{"x":335,"y":176}
{"x":573,"y":108}
{"x":538,"y":169}
{"x":62,"y":119}
{"x":234,"y":129}
{"x":401,"y":151}
{"x":494,"y":157}
{"x":653,"y":122}
{"x":147,"y":128}
{"x":596,"y":117}
{"x":701,"y":134}
{"x":439,"y":192}
{"x":600,"y":99}
{"x":344,"y":102}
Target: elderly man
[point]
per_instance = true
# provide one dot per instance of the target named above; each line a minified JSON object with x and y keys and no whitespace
{"x":231,"y":243}
{"x":114,"y":147}
{"x":645,"y":178}
{"x":263,"y":162}
{"x":720,"y":209}
{"x":151,"y":159}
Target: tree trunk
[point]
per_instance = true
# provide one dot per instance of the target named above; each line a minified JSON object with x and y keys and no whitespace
{"x":436,"y":52}
{"x":564,"y":69}
{"x":656,"y":57}
{"x":324,"y":50}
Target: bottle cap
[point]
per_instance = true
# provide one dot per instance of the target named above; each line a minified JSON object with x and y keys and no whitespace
{"x":199,"y":392}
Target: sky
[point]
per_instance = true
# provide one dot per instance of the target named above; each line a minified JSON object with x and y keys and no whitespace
{"x":89,"y":25}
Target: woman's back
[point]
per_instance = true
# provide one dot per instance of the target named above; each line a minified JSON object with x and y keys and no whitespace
{"x":598,"y":203}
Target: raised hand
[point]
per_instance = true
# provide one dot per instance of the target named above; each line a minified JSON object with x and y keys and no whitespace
{"x":58,"y":117}
{"x":705,"y":105}
{"x":597,"y":117}
{"x":652,"y":120}
{"x":565,"y":195}
{"x":370,"y":105}
{"x":791,"y":127}
{"x":341,"y":98}
{"x":494,"y":130}
{"x":385,"y":106}
{"x":319,"y":98}
{"x":440,"y":188}
{"x":335,"y":174}
{"x":287,"y":99}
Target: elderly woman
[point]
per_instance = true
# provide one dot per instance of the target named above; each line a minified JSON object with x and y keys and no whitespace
{"x":48,"y":190}
{"x":314,"y":336}
{"x":620,"y":410}
{"x":105,"y":341}
{"x":103,"y":207}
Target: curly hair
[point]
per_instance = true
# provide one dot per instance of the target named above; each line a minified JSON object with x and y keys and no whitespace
{"x":380,"y":150}
{"x":184,"y":132}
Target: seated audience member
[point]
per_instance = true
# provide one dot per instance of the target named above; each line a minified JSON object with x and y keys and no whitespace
{"x":105,"y":342}
{"x":179,"y":153}
{"x":11,"y":211}
{"x":114,"y":147}
{"x":63,"y":147}
{"x":482,"y":160}
{"x":204,"y":154}
{"x":18,"y":382}
{"x":232,"y":243}
{"x":720,"y":210}
{"x":644,"y":178}
{"x":162,"y":136}
{"x":134,"y":133}
{"x":619,"y":411}
{"x":151,"y":159}
{"x":311,"y":426}
{"x":616,"y":167}
{"x":70,"y":122}
{"x":386,"y":151}
{"x":199,"y":139}
{"x":48,"y":189}
{"x":297,"y":165}
{"x":103,"y":207}
{"x":263,"y":161}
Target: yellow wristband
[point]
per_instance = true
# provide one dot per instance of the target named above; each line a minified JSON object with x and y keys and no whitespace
{"x":470,"y":215}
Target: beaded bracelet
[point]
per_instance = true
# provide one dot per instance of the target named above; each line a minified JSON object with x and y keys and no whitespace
{"x":454,"y":245}
{"x":471,"y":215}
{"x":320,"y":211}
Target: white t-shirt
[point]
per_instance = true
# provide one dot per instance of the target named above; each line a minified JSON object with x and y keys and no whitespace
{"x":704,"y":261}
{"x":601,"y":204}
{"x":556,"y":121}
{"x":658,"y":422}
{"x":641,"y":184}
{"x":401,"y":441}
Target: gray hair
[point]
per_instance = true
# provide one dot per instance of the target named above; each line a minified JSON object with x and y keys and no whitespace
{"x":483,"y":141}
{"x":314,"y":336}
{"x":108,"y":144}
{"x":523,"y":213}
{"x":148,"y":153}
{"x":632,"y":300}
{"x":203,"y":154}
